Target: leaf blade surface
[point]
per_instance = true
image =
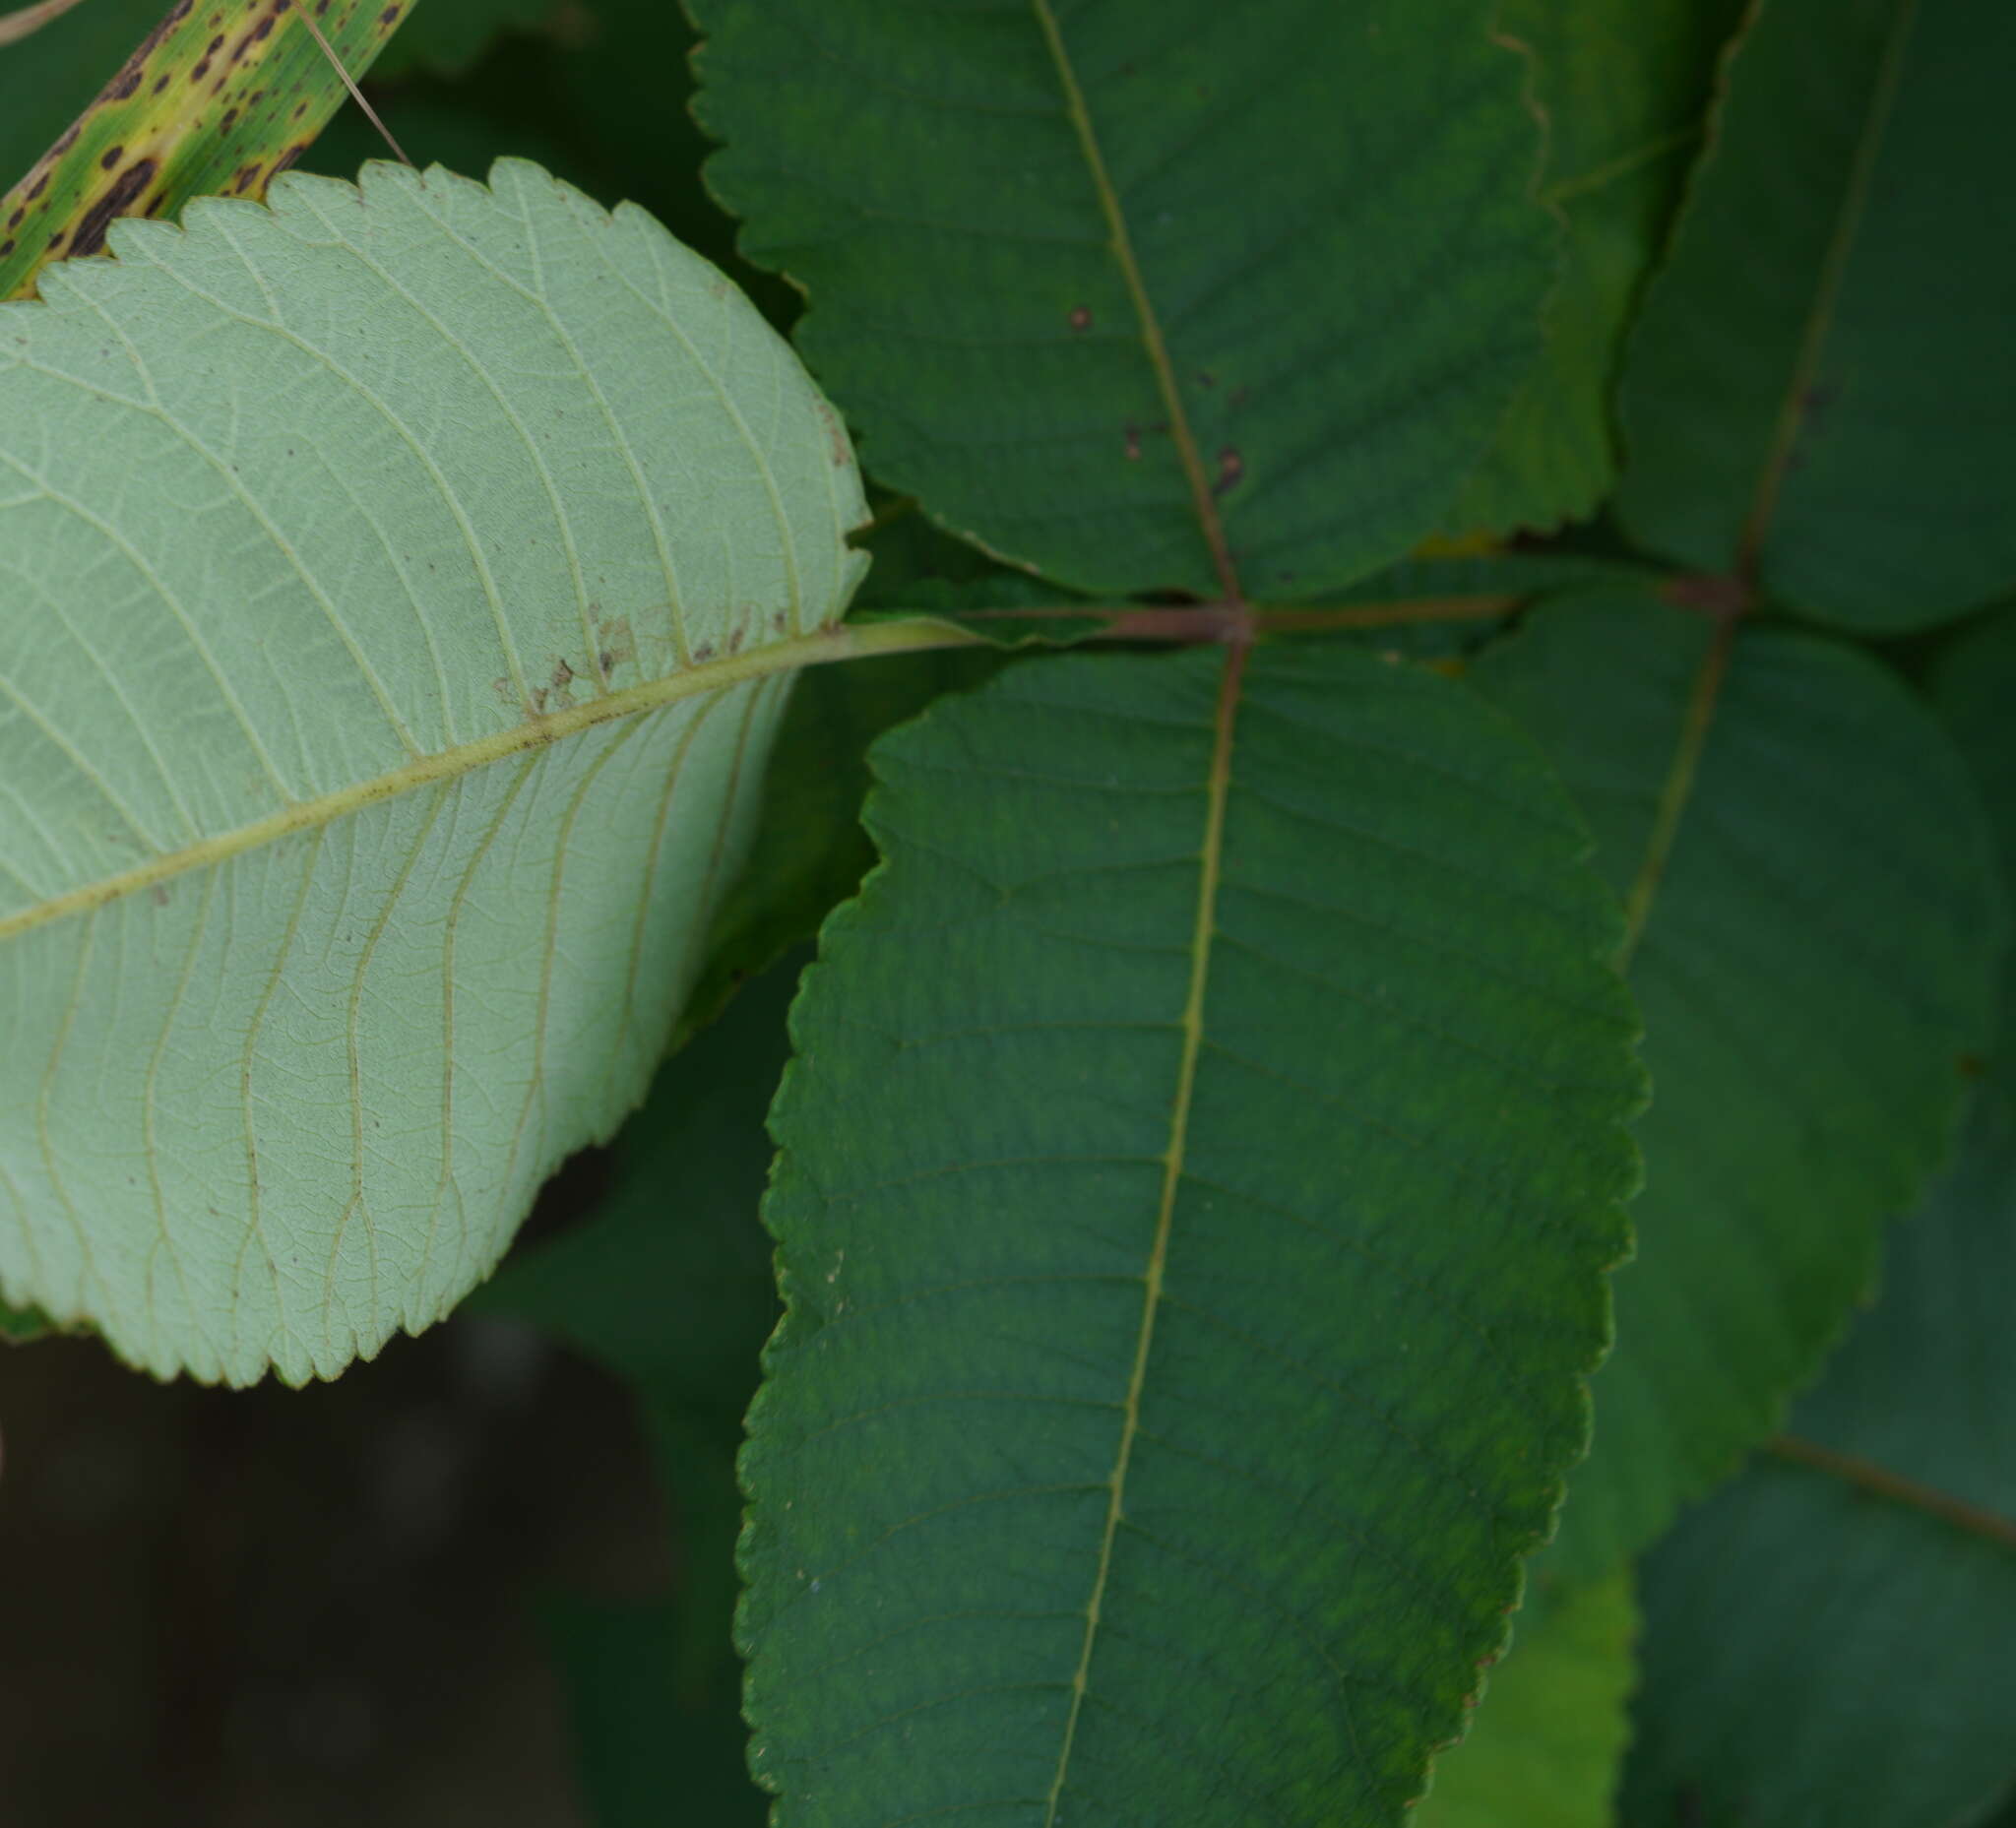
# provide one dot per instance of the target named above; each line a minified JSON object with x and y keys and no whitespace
{"x":1817,"y":926}
{"x":1108,"y":365}
{"x":1138,"y":1342}
{"x":1797,"y":402}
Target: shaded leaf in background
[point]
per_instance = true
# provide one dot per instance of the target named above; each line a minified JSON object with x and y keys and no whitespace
{"x":370,"y":791}
{"x":1818,"y":1651}
{"x":447,"y":36}
{"x":17,"y":1324}
{"x":670,"y":1286}
{"x":216,"y":99}
{"x":1802,"y":395}
{"x":807,"y":852}
{"x":1623,"y":86}
{"x":1186,"y":1313}
{"x":1974,"y":686}
{"x":1041,"y":289}
{"x":1816,"y":930}
{"x":1545,"y":1749}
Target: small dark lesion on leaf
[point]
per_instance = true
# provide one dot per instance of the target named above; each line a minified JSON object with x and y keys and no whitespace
{"x":1081,"y":318}
{"x":160,"y":894}
{"x":836,"y":435}
{"x":619,"y":644}
{"x":1231,"y":468}
{"x":119,"y":197}
{"x":1133,"y":444}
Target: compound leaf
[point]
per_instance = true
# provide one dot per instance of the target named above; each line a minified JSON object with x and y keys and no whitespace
{"x":1815,"y":928}
{"x":1799,"y":401}
{"x":1042,"y":291}
{"x":1185,"y":1335}
{"x":399,"y":589}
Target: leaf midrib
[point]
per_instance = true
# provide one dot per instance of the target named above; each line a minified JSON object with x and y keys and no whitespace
{"x":1677,"y":787}
{"x":1819,"y":321}
{"x":1184,"y":439}
{"x":1217,"y":791}
{"x":845,"y":640}
{"x":1878,"y":1480}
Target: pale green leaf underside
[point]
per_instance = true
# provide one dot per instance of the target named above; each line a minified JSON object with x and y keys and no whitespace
{"x":339,"y":898}
{"x":1187,"y":1336}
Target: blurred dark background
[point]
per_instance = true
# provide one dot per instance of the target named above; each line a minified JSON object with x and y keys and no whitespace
{"x":303,"y":1607}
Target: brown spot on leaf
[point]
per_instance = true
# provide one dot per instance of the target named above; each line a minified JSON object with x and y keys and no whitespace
{"x":112,"y":157}
{"x":91,"y":225}
{"x":1231,"y":468}
{"x":836,"y":435}
{"x":1081,"y":318}
{"x":1133,"y":444}
{"x":160,"y":894}
{"x":619,"y":645}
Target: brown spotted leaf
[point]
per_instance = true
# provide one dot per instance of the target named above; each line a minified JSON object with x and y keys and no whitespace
{"x":219,"y":96}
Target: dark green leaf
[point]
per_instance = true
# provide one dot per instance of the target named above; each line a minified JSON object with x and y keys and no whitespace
{"x":1827,"y":1640}
{"x":1816,"y":928}
{"x":1045,"y":288}
{"x":1821,"y":386}
{"x":1973,"y":685}
{"x":1203,"y":1149}
{"x":1623,"y":86}
{"x":448,"y":35}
